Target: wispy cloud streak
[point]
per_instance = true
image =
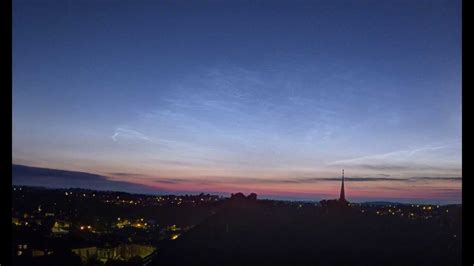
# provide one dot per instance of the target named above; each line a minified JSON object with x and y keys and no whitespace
{"x":405,"y":160}
{"x":129,"y":134}
{"x":253,"y":181}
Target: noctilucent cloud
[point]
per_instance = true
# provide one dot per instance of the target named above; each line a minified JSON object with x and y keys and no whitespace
{"x":273,"y":97}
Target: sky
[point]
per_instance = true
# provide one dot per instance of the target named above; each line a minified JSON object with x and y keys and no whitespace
{"x":272,"y":97}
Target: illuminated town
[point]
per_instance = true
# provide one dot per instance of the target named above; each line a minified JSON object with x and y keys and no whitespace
{"x":102,"y":225}
{"x":96,"y":227}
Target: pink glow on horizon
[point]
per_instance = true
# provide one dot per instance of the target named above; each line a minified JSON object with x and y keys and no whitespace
{"x":284,"y":186}
{"x":432,"y":189}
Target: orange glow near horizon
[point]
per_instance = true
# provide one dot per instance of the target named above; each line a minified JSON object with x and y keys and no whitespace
{"x":285,"y":185}
{"x":438,"y":189}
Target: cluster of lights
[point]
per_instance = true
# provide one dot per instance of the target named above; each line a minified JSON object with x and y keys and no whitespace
{"x":140,"y":223}
{"x":423,"y":208}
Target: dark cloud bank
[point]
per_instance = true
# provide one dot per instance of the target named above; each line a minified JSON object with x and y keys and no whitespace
{"x":54,"y":178}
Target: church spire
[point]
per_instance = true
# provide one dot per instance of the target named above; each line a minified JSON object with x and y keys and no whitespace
{"x":342,"y":197}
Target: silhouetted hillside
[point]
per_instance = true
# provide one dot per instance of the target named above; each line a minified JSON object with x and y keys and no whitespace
{"x":261,"y":233}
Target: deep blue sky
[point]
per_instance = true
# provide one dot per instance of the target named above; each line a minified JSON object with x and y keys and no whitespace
{"x":229,"y":90}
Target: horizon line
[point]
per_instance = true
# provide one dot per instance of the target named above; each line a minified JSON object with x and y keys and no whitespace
{"x":259,"y":196}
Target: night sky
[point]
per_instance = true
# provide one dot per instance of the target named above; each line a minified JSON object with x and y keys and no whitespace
{"x":272,"y":97}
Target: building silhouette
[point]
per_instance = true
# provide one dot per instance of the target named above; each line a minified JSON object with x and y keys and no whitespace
{"x":341,"y":201}
{"x":342,"y":197}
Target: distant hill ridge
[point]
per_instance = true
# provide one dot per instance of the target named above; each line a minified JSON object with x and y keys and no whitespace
{"x":55,"y":178}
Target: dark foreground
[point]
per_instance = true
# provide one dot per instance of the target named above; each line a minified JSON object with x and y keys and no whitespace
{"x":77,"y":227}
{"x":263,"y":234}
